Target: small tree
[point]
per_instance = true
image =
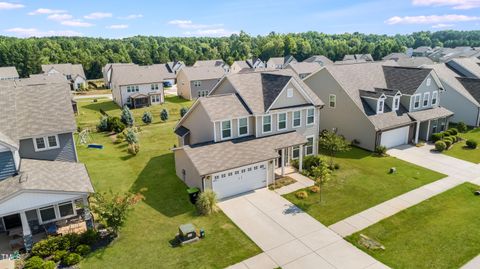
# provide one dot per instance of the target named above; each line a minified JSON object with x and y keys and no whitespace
{"x":112,"y":209}
{"x":131,"y":136}
{"x":321,"y":175}
{"x":147,"y":117}
{"x":333,"y":144}
{"x":183,"y":111}
{"x":164,"y":115}
{"x":207,"y":202}
{"x":462,"y":127}
{"x":127,"y":117}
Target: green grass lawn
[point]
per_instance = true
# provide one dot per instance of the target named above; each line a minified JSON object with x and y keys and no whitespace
{"x":460,"y":151}
{"x":361,"y":182}
{"x":442,"y":232}
{"x":144,"y":241}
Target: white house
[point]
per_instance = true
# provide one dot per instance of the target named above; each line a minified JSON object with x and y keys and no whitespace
{"x":72,"y":72}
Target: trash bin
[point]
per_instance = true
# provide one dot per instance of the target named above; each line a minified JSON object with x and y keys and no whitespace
{"x":202,"y":233}
{"x":193,"y":194}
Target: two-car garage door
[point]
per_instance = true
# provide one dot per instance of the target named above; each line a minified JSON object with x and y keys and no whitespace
{"x":240,"y":180}
{"x":395,"y":137}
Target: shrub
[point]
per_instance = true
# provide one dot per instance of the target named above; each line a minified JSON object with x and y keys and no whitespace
{"x":472,"y":144}
{"x":119,"y":138}
{"x":83,"y":250}
{"x":462,"y":127}
{"x":164,"y":115}
{"x":127,"y":117}
{"x":207,"y":202}
{"x":49,"y":265}
{"x":301,"y":195}
{"x":183,"y":111}
{"x":454,"y":138}
{"x":436,"y":137}
{"x":116,"y":125}
{"x":294,"y":163}
{"x":445,"y":134}
{"x":448,"y":138}
{"x":59,"y":254}
{"x":147,"y":117}
{"x":314,"y":189}
{"x":311,"y":161}
{"x":336,"y":166}
{"x":89,"y":237}
{"x":440,"y":146}
{"x":381,"y":150}
{"x":133,"y":149}
{"x":131,"y":136}
{"x":71,"y":259}
{"x":448,"y":143}
{"x":49,"y":246}
{"x":102,"y":126}
{"x":34,"y":262}
{"x":453,"y":131}
{"x":448,"y":133}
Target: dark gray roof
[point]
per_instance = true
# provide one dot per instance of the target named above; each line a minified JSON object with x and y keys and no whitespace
{"x":472,"y":85}
{"x":371,"y":94}
{"x":272,"y":85}
{"x":405,"y":79}
{"x":182,"y":131}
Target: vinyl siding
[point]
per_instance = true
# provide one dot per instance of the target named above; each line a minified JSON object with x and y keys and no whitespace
{"x":66,"y":151}
{"x":295,"y":100}
{"x":423,"y":89}
{"x":463,"y":108}
{"x":205,"y":85}
{"x":182,"y":162}
{"x":183,"y":85}
{"x":200,"y":126}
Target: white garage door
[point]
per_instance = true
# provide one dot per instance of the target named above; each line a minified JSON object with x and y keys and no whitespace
{"x":395,"y":137}
{"x":240,"y":180}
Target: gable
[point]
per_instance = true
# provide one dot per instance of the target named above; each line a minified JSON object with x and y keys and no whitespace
{"x":53,"y":71}
{"x":297,"y":98}
{"x":434,"y":85}
{"x":223,"y":87}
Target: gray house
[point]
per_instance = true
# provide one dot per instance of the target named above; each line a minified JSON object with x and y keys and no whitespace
{"x":212,"y":63}
{"x":250,"y":125}
{"x":280,"y":62}
{"x":372,"y":104}
{"x":41,"y":181}
{"x":320,"y":59}
{"x":194,"y":82}
{"x":8,"y":73}
{"x":107,"y":72}
{"x":249,"y":64}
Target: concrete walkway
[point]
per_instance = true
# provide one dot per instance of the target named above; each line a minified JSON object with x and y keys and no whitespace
{"x":302,"y":183}
{"x":289,"y":237}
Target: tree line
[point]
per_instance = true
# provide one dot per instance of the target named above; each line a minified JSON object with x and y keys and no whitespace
{"x":28,"y":54}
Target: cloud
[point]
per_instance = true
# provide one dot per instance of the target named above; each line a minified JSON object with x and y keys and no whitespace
{"x":442,"y":25}
{"x":46,"y":11}
{"x":187,"y":24}
{"x":117,"y":26}
{"x":97,"y":15}
{"x":131,"y":17}
{"x":59,"y":17}
{"x":7,"y":6}
{"x":30,"y":32}
{"x":76,"y":23}
{"x":456,"y":4}
{"x":432,"y":19}
{"x":211,"y":32}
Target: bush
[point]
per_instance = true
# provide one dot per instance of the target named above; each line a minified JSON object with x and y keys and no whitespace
{"x":164,"y":115}
{"x":131,"y":136}
{"x":314,"y":189}
{"x":34,"y":262}
{"x":294,"y":163}
{"x":301,"y":195}
{"x":102,"y":126}
{"x":445,"y":134}
{"x":440,"y":146}
{"x":147,"y":117}
{"x":116,"y":125}
{"x":336,"y":166}
{"x":183,"y":111}
{"x":127,"y":117}
{"x":381,"y":150}
{"x":448,"y":143}
{"x":49,"y":265}
{"x":83,"y":250}
{"x":89,"y":237}
{"x":311,"y":161}
{"x":436,"y":137}
{"x":59,"y":254}
{"x":453,"y":131}
{"x":71,"y":259}
{"x":207,"y":202}
{"x":448,"y":138}
{"x":472,"y":144}
{"x":133,"y":149}
{"x":49,"y":246}
{"x":119,"y":138}
{"x":462,"y":127}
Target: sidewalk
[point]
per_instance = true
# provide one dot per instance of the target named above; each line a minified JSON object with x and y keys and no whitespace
{"x":302,"y":183}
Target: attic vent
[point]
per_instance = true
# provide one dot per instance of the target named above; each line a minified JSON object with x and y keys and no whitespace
{"x":290,"y":93}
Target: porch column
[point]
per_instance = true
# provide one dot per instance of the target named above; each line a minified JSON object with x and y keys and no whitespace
{"x":283,"y":162}
{"x":417,"y":132}
{"x":27,"y":234}
{"x":428,"y":130}
{"x":446,"y":123}
{"x":300,"y":158}
{"x":87,"y":215}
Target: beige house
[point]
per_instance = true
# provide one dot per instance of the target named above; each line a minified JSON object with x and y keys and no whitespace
{"x":212,"y":63}
{"x":73,"y":73}
{"x":304,"y":69}
{"x":250,"y":64}
{"x":280,"y":62}
{"x":251,"y":124}
{"x":194,"y":82}
{"x":320,"y":59}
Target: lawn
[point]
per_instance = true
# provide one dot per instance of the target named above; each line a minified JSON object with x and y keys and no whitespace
{"x":362,"y":181}
{"x":442,"y":232}
{"x":460,"y":151}
{"x":144,"y":241}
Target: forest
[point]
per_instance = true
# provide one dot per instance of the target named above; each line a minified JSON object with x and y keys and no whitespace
{"x":27,"y":54}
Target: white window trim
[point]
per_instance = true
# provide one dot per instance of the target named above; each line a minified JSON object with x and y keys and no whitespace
{"x":45,"y":140}
{"x":306,"y":118}
{"x":278,"y":121}
{"x":293,"y":149}
{"x":397,"y":106}
{"x":429,"y":82}
{"x":419,"y":101}
{"x":67,"y":216}
{"x":434,"y":94}
{"x":221,"y":129}
{"x":293,"y":119}
{"x":426,"y":96}
{"x":313,"y":144}
{"x":334,"y":101}
{"x":380,"y":108}
{"x":238,"y":127}
{"x":263,"y":124}
{"x":289,"y":92}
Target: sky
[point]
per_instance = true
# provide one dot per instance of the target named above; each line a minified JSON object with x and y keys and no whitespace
{"x":118,"y":19}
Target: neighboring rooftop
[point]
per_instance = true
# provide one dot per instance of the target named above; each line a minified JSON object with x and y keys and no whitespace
{"x":219,"y":107}
{"x":304,"y":67}
{"x":472,"y":85}
{"x":136,"y":74}
{"x":470,"y":64}
{"x":395,"y":56}
{"x":66,"y":69}
{"x":323,"y":60}
{"x":8,"y":72}
{"x":43,"y":79}
{"x":203,"y":72}
{"x":414,"y":61}
{"x":209,"y":63}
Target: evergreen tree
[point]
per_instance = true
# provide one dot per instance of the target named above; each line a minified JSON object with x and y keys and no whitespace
{"x":164,"y":115}
{"x":127,"y":117}
{"x":147,"y":117}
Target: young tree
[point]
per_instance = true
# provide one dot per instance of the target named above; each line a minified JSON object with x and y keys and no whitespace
{"x":127,"y":117}
{"x":131,"y":137}
{"x":333,"y":144}
{"x":183,"y":111}
{"x":164,"y":115}
{"x":321,"y":173}
{"x":147,"y":117}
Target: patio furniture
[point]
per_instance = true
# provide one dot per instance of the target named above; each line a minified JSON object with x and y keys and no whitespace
{"x":51,"y":229}
{"x":17,"y":244}
{"x":18,"y":231}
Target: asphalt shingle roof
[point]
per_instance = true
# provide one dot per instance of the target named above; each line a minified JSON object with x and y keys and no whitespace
{"x":318,"y":59}
{"x":304,"y":67}
{"x":209,"y":63}
{"x":429,"y":114}
{"x":469,"y":64}
{"x":136,"y":74}
{"x":472,"y":85}
{"x":414,"y":61}
{"x":405,"y":79}
{"x":8,"y":72}
{"x":203,"y":72}
{"x":66,"y":69}
{"x":219,"y":107}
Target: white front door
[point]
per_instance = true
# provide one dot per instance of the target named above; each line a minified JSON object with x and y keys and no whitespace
{"x":395,"y":137}
{"x":240,"y":180}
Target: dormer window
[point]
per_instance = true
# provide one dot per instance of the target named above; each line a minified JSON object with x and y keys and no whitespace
{"x":380,"y":105}
{"x":396,"y":103}
{"x":46,"y":143}
{"x":226,"y":129}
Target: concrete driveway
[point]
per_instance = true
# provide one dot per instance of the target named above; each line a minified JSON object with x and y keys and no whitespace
{"x":289,"y":237}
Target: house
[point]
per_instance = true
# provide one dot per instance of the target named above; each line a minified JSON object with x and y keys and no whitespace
{"x":395,"y":56}
{"x":358,"y":58}
{"x":466,"y":67}
{"x":194,"y":82}
{"x":73,"y":72}
{"x":173,"y":68}
{"x":373,"y":104}
{"x":138,"y":86}
{"x":422,"y":51}
{"x":251,"y":124}
{"x":280,"y":62}
{"x":414,"y":61}
{"x":107,"y":72}
{"x":320,"y":59}
{"x":303,"y":69}
{"x":252,"y":64}
{"x":8,"y":73}
{"x":41,"y":181}
{"x":212,"y":63}
{"x":462,"y":94}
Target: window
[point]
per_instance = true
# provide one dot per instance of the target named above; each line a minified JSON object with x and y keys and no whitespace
{"x":282,"y":121}
{"x":332,"y":99}
{"x":309,"y":146}
{"x":426,"y":99}
{"x":202,"y":93}
{"x":52,"y":141}
{"x":380,"y":105}
{"x":262,"y":166}
{"x":416,"y":101}
{"x":65,"y":209}
{"x":226,"y":129}
{"x":396,"y":103}
{"x":310,"y":116}
{"x":289,"y":93}
{"x":46,"y":143}
{"x":47,"y":214}
{"x":217,"y":177}
{"x":137,"y":88}
{"x":267,"y":123}
{"x":128,"y":89}
{"x":242,"y":126}
{"x":154,"y":87}
{"x":197,"y":83}
{"x":230,"y":174}
{"x":434,"y":98}
{"x":297,"y":119}
{"x":155,"y":98}
{"x":255,"y":168}
{"x":69,"y":76}
{"x":40,"y":143}
{"x":295,"y":152}
{"x":429,"y":82}
{"x":434,"y":126}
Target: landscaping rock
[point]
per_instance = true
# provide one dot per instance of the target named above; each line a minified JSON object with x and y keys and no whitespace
{"x":370,"y":243}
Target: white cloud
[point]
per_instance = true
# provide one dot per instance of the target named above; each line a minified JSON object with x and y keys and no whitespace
{"x":76,"y":23}
{"x":46,"y":11}
{"x":59,"y":17}
{"x":211,"y":32}
{"x":131,"y":17}
{"x":188,"y":24}
{"x":29,"y":32}
{"x":98,"y":15}
{"x":117,"y":26}
{"x":7,"y":6}
{"x":432,"y":19}
{"x":456,"y":4}
{"x":442,"y":25}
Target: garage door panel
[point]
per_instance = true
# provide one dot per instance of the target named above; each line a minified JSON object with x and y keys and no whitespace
{"x":395,"y":137}
{"x":243,"y":179}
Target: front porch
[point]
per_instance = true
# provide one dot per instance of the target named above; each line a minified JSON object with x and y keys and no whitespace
{"x":430,"y":121}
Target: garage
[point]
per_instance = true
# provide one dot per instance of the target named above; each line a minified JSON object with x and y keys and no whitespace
{"x":395,"y":137}
{"x":240,"y":180}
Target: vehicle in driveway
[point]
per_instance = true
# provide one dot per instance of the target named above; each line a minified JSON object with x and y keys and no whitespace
{"x":167,"y":84}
